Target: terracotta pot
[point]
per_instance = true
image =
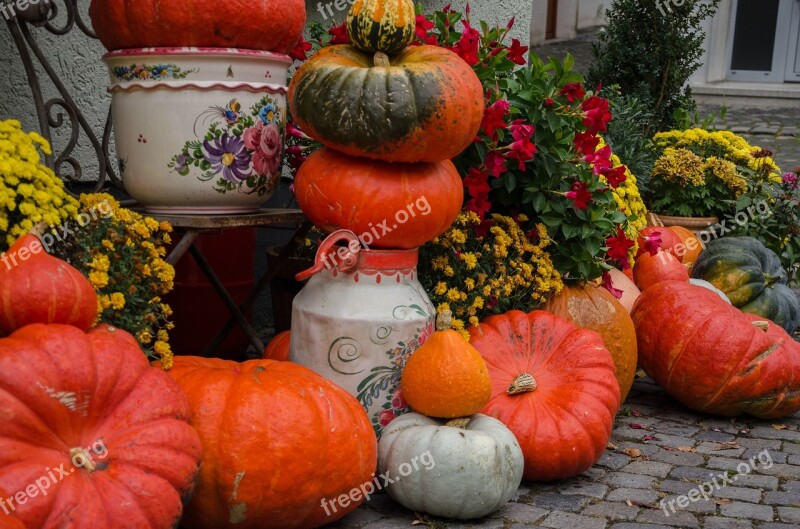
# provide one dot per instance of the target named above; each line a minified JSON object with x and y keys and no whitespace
{"x":694,"y":224}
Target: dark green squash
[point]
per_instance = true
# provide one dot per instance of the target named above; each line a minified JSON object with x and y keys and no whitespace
{"x":424,"y":104}
{"x":751,"y":276}
{"x":381,"y":25}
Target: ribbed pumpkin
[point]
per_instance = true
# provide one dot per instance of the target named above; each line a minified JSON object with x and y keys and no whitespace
{"x":623,"y":283}
{"x":714,"y":358}
{"x":553,"y":385}
{"x":385,"y":26}
{"x":690,"y":248}
{"x":425,"y":106}
{"x":392,"y":205}
{"x":752,"y":277}
{"x":110,"y":432}
{"x":41,"y":288}
{"x":651,"y":269}
{"x":278,"y":347}
{"x":446,"y":377}
{"x":593,"y":307}
{"x":257,"y":24}
{"x":278,"y":439}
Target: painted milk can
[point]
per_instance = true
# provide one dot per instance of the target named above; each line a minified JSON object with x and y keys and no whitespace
{"x":358,"y":319}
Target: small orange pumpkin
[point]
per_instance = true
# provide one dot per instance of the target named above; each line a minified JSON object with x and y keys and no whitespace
{"x":623,"y":281}
{"x":690,"y":247}
{"x":446,"y":377}
{"x":652,"y":269}
{"x":278,"y":347}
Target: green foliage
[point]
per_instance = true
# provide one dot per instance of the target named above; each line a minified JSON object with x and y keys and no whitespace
{"x":650,"y":48}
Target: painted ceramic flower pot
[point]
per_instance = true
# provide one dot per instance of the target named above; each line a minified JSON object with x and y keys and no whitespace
{"x":199,"y":130}
{"x":358,"y":319}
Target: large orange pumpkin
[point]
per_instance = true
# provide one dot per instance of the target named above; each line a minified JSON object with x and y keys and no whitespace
{"x":278,"y":439}
{"x":389,"y":205}
{"x":36,"y":287}
{"x":90,"y":423}
{"x":690,"y":247}
{"x":553,"y":385}
{"x":257,"y":24}
{"x":651,"y":269}
{"x":714,"y":358}
{"x":426,"y":106}
{"x":593,"y":307}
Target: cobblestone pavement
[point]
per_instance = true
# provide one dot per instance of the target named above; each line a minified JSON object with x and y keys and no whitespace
{"x":659,"y":451}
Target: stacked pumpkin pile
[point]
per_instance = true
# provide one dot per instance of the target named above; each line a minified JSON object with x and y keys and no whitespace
{"x":390,"y":116}
{"x":95,"y":437}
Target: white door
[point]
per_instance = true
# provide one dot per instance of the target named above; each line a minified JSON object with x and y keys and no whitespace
{"x":759,"y":40}
{"x":793,"y":57}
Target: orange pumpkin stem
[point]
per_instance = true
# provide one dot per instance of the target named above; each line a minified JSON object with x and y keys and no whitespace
{"x":444,"y":320}
{"x":88,"y":464}
{"x":459,"y":423}
{"x":764,"y":326}
{"x":381,"y":59}
{"x":524,"y":383}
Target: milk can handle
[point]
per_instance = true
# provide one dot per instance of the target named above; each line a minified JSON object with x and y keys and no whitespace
{"x":331,"y":255}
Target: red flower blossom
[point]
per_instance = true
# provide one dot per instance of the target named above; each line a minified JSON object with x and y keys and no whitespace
{"x":495,"y":163}
{"x":653,"y":243}
{"x":601,"y":160}
{"x":516,"y":52}
{"x":595,"y":114}
{"x":618,"y":247}
{"x":586,"y":143}
{"x":573,"y":92}
{"x":477,"y":183}
{"x":298,"y":53}
{"x":615,"y":176}
{"x":548,"y":102}
{"x":423,"y":27}
{"x":480,"y":205}
{"x":580,"y":195}
{"x":522,"y":149}
{"x":608,"y":284}
{"x":521,"y":130}
{"x":482,"y":229}
{"x":293,"y":131}
{"x":468,"y":45}
{"x":339,"y":33}
{"x":494,"y":117}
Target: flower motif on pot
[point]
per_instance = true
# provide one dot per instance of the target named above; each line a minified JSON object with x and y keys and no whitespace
{"x":146,"y":72}
{"x":241,"y":151}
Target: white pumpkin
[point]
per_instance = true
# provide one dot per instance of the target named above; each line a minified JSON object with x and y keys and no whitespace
{"x":473,"y":470}
{"x":705,"y":284}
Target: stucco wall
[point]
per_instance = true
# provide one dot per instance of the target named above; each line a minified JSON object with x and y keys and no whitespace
{"x":77,"y":60}
{"x":591,"y":13}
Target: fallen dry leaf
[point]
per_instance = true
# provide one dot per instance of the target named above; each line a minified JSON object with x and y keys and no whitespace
{"x":687,"y":449}
{"x":632,"y":452}
{"x":641,"y":374}
{"x":668,"y":448}
{"x":636,"y":426}
{"x":729,"y":445}
{"x":634,"y":503}
{"x":722,"y":501}
{"x":779,"y":426}
{"x":611,"y":446}
{"x":650,"y":438}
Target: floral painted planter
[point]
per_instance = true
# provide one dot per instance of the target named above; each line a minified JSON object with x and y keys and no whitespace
{"x":199,"y":130}
{"x":358,"y":319}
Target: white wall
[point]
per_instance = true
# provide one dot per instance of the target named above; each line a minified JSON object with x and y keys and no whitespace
{"x":592,"y":13}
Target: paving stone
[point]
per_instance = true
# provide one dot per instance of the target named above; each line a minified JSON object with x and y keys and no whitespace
{"x":640,"y":495}
{"x":566,"y":520}
{"x":623,"y":479}
{"x":760,"y":444}
{"x":768,"y":432}
{"x":677,"y":519}
{"x":673,"y":441}
{"x":624,"y":421}
{"x":677,"y":458}
{"x":677,"y":429}
{"x":389,"y":523}
{"x":791,"y":448}
{"x":357,"y":518}
{"x":583,"y":488}
{"x":789,"y":514}
{"x":715,"y":437}
{"x":613,"y":460}
{"x":612,"y":511}
{"x":792,"y":460}
{"x":648,"y":468}
{"x":626,"y":525}
{"x":782,"y":498}
{"x":784,"y":471}
{"x":739,"y":493}
{"x":713,"y":449}
{"x":624,"y":431}
{"x":560,"y":502}
{"x":726,"y":463}
{"x":520,"y":512}
{"x":791,"y":486}
{"x":486,"y":523}
{"x":777,"y":457}
{"x":739,"y":509}
{"x":593,"y":474}
{"x":690,"y":473}
{"x":715,"y":522}
{"x":756,"y":481}
{"x":774,"y":525}
{"x":644,"y":448}
{"x":676,"y":487}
